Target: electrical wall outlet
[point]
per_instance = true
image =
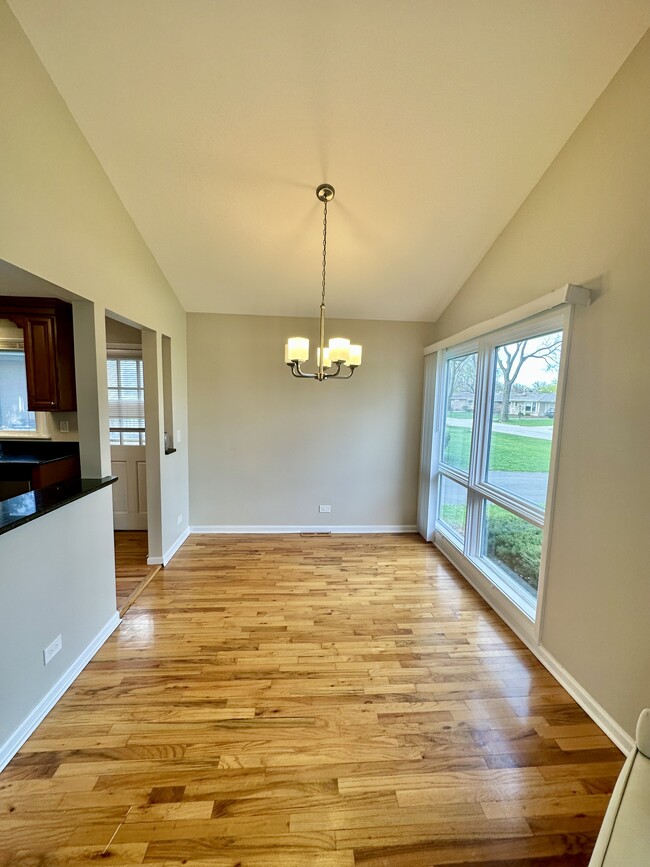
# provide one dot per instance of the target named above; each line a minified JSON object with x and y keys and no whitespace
{"x":179,"y":520}
{"x":178,"y":436}
{"x":64,"y":426}
{"x":52,"y":649}
{"x":324,"y":508}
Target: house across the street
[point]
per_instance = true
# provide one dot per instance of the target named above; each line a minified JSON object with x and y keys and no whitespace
{"x":530,"y":404}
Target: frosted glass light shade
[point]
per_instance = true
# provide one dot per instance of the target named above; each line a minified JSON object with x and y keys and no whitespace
{"x":326,"y":357}
{"x":354,"y":355}
{"x":339,"y":348}
{"x":298,"y":349}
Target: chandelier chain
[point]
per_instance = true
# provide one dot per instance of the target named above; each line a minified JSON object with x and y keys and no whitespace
{"x":324,"y":250}
{"x":340,"y":354}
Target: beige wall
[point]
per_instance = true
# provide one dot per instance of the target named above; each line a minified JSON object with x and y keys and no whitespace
{"x":61,"y":220}
{"x":45,"y":582}
{"x":267,"y":449}
{"x":120,"y":332}
{"x":588,"y":221}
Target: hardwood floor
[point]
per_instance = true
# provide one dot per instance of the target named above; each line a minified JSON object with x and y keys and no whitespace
{"x":281,"y":702}
{"x":132,"y":572}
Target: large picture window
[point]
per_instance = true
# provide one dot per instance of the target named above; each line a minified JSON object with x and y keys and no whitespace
{"x":496,"y":414}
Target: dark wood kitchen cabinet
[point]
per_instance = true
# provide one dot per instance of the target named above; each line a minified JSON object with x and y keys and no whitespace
{"x":49,"y":350}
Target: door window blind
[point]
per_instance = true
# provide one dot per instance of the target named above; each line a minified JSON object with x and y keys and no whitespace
{"x":126,"y":400}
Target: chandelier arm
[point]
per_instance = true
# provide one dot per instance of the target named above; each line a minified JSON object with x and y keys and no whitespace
{"x":338,"y":370}
{"x":352,"y":369}
{"x":300,"y":375}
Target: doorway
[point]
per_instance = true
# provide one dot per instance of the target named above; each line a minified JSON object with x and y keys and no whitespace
{"x":127,"y":425}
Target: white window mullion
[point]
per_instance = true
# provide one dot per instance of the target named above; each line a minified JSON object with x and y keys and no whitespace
{"x":481,"y":416}
{"x":473,"y":528}
{"x":454,"y":474}
{"x":513,"y":504}
{"x":478,"y":450}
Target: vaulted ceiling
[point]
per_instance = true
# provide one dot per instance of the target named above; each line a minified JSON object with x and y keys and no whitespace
{"x":215,"y":120}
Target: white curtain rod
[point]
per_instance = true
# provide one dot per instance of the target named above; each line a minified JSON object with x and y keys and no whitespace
{"x":569,"y":294}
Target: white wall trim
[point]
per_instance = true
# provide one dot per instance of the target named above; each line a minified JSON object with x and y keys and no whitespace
{"x":500,"y":605}
{"x":568,"y":294}
{"x":265,"y":529}
{"x":167,"y":556}
{"x":625,"y":742}
{"x":27,"y":727}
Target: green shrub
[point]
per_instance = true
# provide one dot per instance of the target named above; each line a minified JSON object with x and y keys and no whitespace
{"x":515,"y":543}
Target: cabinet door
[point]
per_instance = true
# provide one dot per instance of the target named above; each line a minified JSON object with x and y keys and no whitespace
{"x":40,"y":363}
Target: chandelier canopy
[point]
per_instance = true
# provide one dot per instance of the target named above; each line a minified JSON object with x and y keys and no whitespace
{"x":340,"y":352}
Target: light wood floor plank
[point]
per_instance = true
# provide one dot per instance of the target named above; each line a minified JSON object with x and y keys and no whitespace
{"x":285,"y":702}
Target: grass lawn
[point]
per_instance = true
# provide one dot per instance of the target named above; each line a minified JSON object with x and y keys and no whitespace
{"x":529,"y":422}
{"x":453,"y":515}
{"x":523,"y":422}
{"x":508,"y":452}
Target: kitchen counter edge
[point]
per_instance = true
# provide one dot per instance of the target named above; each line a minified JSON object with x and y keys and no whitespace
{"x":28,"y":507}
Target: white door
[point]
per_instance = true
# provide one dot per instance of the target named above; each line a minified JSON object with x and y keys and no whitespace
{"x":127,"y":427}
{"x":130,"y":491}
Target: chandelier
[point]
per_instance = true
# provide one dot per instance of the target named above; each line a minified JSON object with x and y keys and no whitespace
{"x":340,"y":351}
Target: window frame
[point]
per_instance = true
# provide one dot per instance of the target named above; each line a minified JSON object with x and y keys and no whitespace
{"x":516,"y":605}
{"x":126,"y":352}
{"x":452,"y":536}
{"x":42,"y":429}
{"x":452,"y":472}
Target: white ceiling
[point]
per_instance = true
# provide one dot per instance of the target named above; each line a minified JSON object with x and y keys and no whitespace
{"x":216,"y":119}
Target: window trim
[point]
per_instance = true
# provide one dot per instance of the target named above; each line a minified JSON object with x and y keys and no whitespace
{"x":467,"y":557}
{"x":453,"y":537}
{"x":42,"y":431}
{"x":126,"y":352}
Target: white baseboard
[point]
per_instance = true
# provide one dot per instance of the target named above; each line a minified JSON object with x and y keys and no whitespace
{"x":27,"y":727}
{"x":599,"y":715}
{"x":591,"y":707}
{"x":264,"y":529}
{"x":167,"y":556}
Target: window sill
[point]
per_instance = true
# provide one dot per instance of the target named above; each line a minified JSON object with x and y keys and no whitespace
{"x":525,"y":602}
{"x":23,"y":435}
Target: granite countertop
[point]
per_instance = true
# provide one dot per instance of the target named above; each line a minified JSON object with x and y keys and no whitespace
{"x":31,"y":459}
{"x":22,"y":452}
{"x":27,"y":507}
